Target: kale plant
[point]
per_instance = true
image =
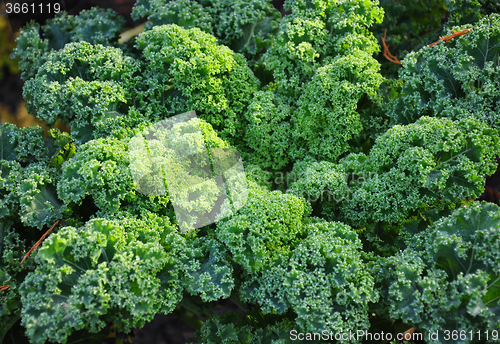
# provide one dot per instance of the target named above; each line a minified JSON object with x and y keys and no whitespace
{"x":233,"y":152}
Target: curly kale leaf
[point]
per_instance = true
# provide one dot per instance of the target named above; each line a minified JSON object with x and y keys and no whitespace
{"x":28,"y":176}
{"x":13,"y":246}
{"x":425,"y":163}
{"x":171,"y":158}
{"x":8,"y":141}
{"x":208,"y":270}
{"x":100,"y":169}
{"x":245,"y":27}
{"x":322,"y":66}
{"x":324,"y":282}
{"x":84,"y":85}
{"x":39,"y":203}
{"x":123,"y":271}
{"x":449,"y":276}
{"x":268,"y":133}
{"x":469,"y":11}
{"x":174,"y":169}
{"x":10,"y":308}
{"x":26,"y":145}
{"x":31,"y":50}
{"x":327,"y":116}
{"x":331,"y":253}
{"x":457,"y":80}
{"x":320,"y":182}
{"x":264,"y":229}
{"x":95,"y":26}
{"x":315,"y":32}
{"x":185,"y":13}
{"x":10,"y":177}
{"x":188,"y":70}
{"x":101,"y":92}
{"x":325,"y":119}
{"x":10,"y":170}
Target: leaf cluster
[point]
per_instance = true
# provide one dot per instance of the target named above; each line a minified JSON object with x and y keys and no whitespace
{"x":429,"y":163}
{"x":448,"y":277}
{"x":379,"y":228}
{"x":101,"y":90}
{"x":246,"y":27}
{"x":455,"y":80}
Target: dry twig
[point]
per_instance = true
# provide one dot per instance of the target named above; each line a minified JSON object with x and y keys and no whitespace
{"x":387,"y":53}
{"x":38,"y":243}
{"x":454,"y":34}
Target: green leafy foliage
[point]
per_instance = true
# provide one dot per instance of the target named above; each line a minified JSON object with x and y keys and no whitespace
{"x":268,"y":133}
{"x":454,"y":80}
{"x":315,"y":32}
{"x":23,"y":145}
{"x":231,"y":328}
{"x":122,"y":263}
{"x":10,"y":308}
{"x":95,"y":26}
{"x":28,"y":201}
{"x":10,"y":178}
{"x":357,"y":207}
{"x":100,"y":168}
{"x":84,"y":85}
{"x":38,"y":198}
{"x":185,"y":13}
{"x":187,"y":70}
{"x":263,"y":229}
{"x":326,"y":265}
{"x":469,"y":11}
{"x":448,"y":277}
{"x":193,"y":172}
{"x":322,"y":67}
{"x":28,"y":176}
{"x":320,"y":181}
{"x":100,"y":91}
{"x":290,"y":263}
{"x":426,"y":163}
{"x":327,"y":117}
{"x":244,"y":26}
{"x":208,"y":271}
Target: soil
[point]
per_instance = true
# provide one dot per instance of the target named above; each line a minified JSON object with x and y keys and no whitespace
{"x":165,"y":329}
{"x":169,"y":329}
